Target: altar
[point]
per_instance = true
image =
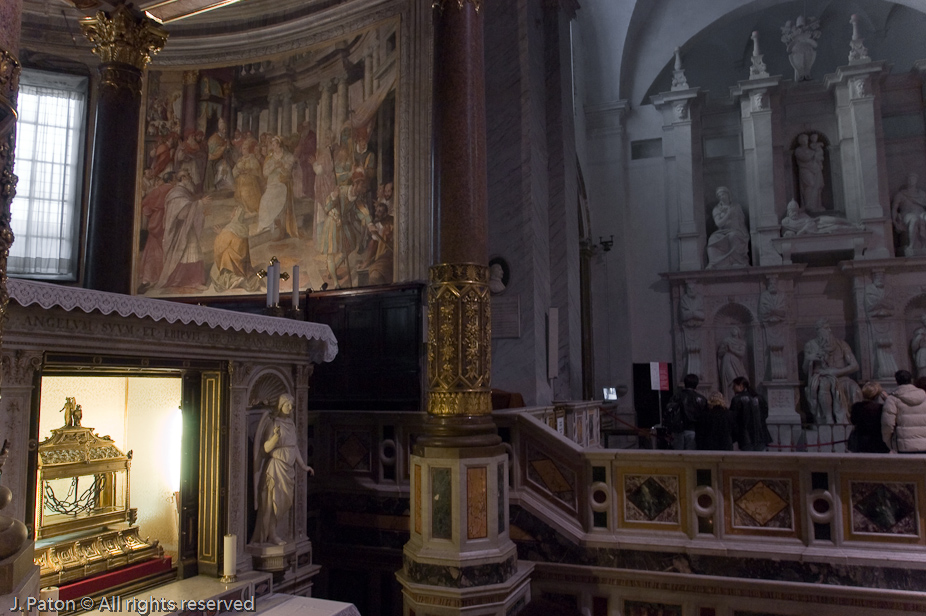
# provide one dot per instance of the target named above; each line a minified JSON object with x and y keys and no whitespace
{"x":179,"y":389}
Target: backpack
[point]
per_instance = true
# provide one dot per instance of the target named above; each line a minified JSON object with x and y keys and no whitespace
{"x":672,"y":417}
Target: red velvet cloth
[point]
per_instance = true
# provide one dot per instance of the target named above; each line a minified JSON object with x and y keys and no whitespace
{"x":111,"y":579}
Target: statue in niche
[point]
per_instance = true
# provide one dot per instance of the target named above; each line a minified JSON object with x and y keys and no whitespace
{"x":908,"y":212}
{"x":808,"y":156}
{"x":276,"y":455}
{"x":728,"y":246}
{"x":801,"y":42}
{"x":877,"y":302}
{"x":828,"y":362}
{"x":918,"y":346}
{"x":731,"y":352}
{"x":799,"y":222}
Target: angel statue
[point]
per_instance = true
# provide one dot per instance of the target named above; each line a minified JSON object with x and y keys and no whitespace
{"x":801,"y":42}
{"x":276,"y":455}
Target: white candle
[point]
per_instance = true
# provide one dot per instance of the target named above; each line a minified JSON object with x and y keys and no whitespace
{"x":276,"y":283}
{"x":230,"y":565}
{"x":295,"y":287}
{"x":269,"y":280}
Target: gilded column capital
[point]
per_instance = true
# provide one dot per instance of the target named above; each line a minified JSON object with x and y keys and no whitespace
{"x":459,"y":341}
{"x":440,"y":4}
{"x":123,"y":38}
{"x":190,"y":78}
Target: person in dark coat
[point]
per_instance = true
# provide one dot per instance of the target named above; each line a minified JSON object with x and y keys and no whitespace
{"x":866,"y":417}
{"x":750,"y":416}
{"x":714,"y":431}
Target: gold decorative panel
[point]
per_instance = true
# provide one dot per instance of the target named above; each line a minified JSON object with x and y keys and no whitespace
{"x":762,"y":503}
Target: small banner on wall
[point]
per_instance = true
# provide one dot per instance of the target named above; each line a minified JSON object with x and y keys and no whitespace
{"x":659,"y":375}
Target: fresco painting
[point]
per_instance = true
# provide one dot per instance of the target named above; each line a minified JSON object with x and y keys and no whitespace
{"x":290,"y":157}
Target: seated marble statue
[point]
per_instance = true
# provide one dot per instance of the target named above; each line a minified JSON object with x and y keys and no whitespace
{"x":908,"y":213}
{"x":799,"y":222}
{"x":728,"y":246}
{"x":828,"y":362}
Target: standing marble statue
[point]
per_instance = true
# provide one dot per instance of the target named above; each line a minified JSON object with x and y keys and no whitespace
{"x":731,"y":352}
{"x":918,"y":346}
{"x":276,"y":454}
{"x":728,"y":246}
{"x":801,"y":42}
{"x":809,"y":160}
{"x":908,"y":213}
{"x":828,"y":362}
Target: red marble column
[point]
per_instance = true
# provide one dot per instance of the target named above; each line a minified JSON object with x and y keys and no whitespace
{"x":460,"y":131}
{"x":459,"y":336}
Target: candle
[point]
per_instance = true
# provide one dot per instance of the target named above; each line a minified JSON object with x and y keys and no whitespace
{"x":269,"y":280}
{"x":230,"y":565}
{"x":295,"y":287}
{"x":276,"y":283}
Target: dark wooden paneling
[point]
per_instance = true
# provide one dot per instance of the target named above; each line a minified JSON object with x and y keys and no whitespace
{"x":380,"y":351}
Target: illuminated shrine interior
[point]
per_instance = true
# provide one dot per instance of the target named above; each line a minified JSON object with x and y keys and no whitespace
{"x":228,"y":378}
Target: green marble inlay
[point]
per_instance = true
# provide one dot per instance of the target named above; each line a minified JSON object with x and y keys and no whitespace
{"x":441,"y":504}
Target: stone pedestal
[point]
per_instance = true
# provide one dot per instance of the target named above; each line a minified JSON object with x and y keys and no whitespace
{"x":459,"y":556}
{"x":19,"y":578}
{"x":682,"y":151}
{"x":763,"y":171}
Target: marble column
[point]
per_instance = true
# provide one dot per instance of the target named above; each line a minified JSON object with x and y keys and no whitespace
{"x":459,"y":555}
{"x":190,"y":92}
{"x":311,"y":114}
{"x":764,"y":171}
{"x":681,"y":146}
{"x":273,"y":122}
{"x":287,"y":113}
{"x":856,"y":89}
{"x":341,"y":114}
{"x":368,"y":73}
{"x":324,"y":118}
{"x":125,"y":43}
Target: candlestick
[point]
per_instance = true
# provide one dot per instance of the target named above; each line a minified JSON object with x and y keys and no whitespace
{"x":230,"y":565}
{"x":295,"y":287}
{"x":268,"y":278}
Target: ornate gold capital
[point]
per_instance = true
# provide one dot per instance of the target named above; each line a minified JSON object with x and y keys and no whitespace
{"x":459,"y":340}
{"x":439,"y":4}
{"x":123,"y":38}
{"x":190,"y":78}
